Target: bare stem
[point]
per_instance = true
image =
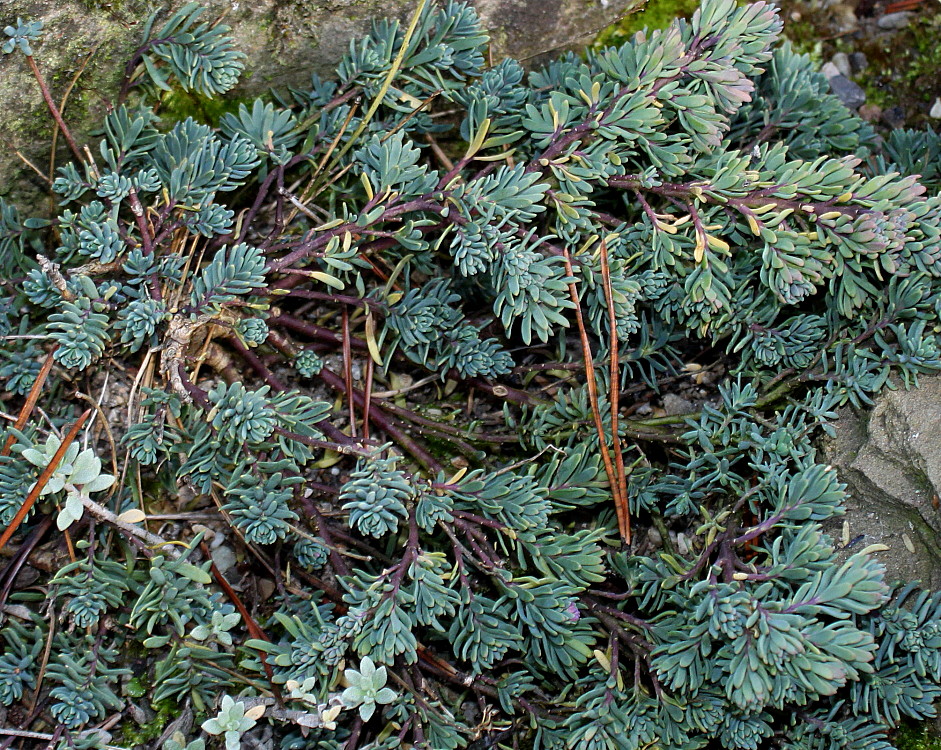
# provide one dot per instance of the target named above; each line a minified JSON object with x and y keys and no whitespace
{"x":53,"y":108}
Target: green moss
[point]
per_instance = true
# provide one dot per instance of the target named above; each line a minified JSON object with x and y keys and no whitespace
{"x":179,"y":104}
{"x":134,"y":735}
{"x":923,"y":736}
{"x":657,"y":14}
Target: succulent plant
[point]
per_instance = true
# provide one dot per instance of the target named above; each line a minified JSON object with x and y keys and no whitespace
{"x":367,"y":688}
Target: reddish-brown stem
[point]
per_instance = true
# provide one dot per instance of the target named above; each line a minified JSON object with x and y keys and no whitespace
{"x":384,"y":422}
{"x":620,"y":498}
{"x":336,"y":559}
{"x":368,"y":404}
{"x":593,"y":390}
{"x":54,"y":109}
{"x":314,"y":332}
{"x":254,"y":630}
{"x":348,"y":369}
{"x":31,"y":400}
{"x":147,"y":242}
{"x":256,"y":364}
{"x":378,"y":417}
{"x":44,"y":478}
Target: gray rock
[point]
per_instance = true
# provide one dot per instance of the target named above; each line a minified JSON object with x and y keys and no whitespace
{"x":842,"y":62}
{"x":847,"y":91}
{"x":844,"y":19}
{"x":935,"y":110}
{"x":870,"y":112}
{"x":830,"y":70}
{"x":674,"y":405}
{"x":894,"y":21}
{"x":891,"y":462}
{"x":858,"y":62}
{"x":284,"y":40}
{"x":224,"y":558}
{"x":894,"y":117}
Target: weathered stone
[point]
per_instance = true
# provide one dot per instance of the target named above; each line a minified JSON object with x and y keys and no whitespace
{"x":858,"y":62}
{"x":830,"y":70}
{"x":890,"y":459}
{"x":893,"y":21}
{"x":935,"y":110}
{"x":842,"y":62}
{"x":870,"y":112}
{"x":285,"y":40}
{"x":844,"y":19}
{"x":674,"y":405}
{"x":894,"y":117}
{"x":224,"y":558}
{"x":848,"y":92}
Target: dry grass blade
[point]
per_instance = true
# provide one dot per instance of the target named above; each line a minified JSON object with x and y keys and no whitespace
{"x":30,"y":404}
{"x":44,"y":478}
{"x":390,"y":76}
{"x":620,"y":498}
{"x":593,"y":395}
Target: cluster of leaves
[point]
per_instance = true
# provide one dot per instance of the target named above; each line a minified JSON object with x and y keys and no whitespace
{"x":691,"y":190}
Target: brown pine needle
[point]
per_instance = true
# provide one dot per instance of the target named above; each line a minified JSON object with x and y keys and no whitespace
{"x":620,"y":499}
{"x":348,"y":369}
{"x":368,"y":394}
{"x":30,"y":404}
{"x":44,"y":478}
{"x":593,"y":396}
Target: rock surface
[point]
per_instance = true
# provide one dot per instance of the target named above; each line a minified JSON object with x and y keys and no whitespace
{"x":285,"y":41}
{"x":848,"y":92}
{"x":891,"y":462}
{"x":894,"y":21}
{"x":842,"y":62}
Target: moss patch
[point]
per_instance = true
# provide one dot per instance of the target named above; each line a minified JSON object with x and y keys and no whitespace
{"x":656,"y":14}
{"x":135,"y":735}
{"x":922,"y":736}
{"x":179,"y":104}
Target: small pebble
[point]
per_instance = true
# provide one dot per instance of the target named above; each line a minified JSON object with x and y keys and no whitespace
{"x":682,"y":545}
{"x":847,"y":91}
{"x":894,"y":117}
{"x":858,"y":62}
{"x":935,"y":110}
{"x":842,"y":62}
{"x":224,"y":558}
{"x":140,"y":715}
{"x":265,"y":588}
{"x":653,"y":536}
{"x":894,"y":21}
{"x":673,"y":405}
{"x":830,"y":70}
{"x":870,"y":112}
{"x":844,"y":19}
